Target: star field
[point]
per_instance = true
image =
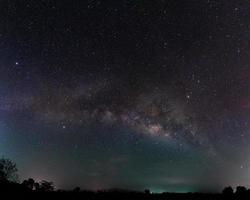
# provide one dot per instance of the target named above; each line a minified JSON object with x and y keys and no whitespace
{"x":127,"y":94}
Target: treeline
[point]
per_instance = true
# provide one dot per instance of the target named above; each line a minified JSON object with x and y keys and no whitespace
{"x":10,"y":183}
{"x":9,"y":180}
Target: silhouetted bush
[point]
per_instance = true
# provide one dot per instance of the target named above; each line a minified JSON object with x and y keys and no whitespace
{"x":147,"y":191}
{"x":45,"y":186}
{"x":29,"y":184}
{"x":77,"y":189}
{"x":228,"y":191}
{"x":241,"y":190}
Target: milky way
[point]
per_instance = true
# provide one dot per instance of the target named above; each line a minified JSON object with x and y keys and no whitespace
{"x":127,"y":94}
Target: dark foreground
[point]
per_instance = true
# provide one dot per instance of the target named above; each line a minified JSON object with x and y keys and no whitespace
{"x":109,"y":195}
{"x":23,"y":191}
{"x":124,"y":196}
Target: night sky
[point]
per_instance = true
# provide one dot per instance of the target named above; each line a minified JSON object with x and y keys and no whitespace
{"x":127,"y":94}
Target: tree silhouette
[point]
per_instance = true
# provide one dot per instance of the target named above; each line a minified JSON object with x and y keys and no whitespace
{"x":37,"y":186}
{"x":228,"y":190}
{"x":46,"y":186}
{"x":8,"y":170}
{"x":77,"y":189}
{"x":30,"y":183}
{"x":241,"y":190}
{"x":147,"y":191}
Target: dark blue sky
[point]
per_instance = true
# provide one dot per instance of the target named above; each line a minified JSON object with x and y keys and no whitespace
{"x":126,"y":94}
